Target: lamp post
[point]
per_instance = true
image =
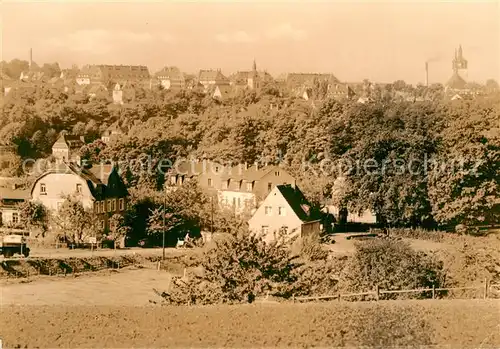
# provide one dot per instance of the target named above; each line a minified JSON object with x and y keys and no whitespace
{"x":163,"y":242}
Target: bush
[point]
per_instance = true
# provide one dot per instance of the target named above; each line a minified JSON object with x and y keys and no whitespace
{"x":391,"y":265}
{"x":238,"y":269}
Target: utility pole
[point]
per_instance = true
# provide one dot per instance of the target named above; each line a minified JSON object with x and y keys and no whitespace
{"x":164,"y":206}
{"x":212,"y":214}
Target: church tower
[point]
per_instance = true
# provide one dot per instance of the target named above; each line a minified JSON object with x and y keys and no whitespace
{"x":459,"y":63}
{"x":459,"y":66}
{"x":252,"y":77}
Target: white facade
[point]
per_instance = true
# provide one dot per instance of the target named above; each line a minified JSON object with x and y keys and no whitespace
{"x":52,"y":188}
{"x":9,"y":215}
{"x":273,"y":215}
{"x":237,"y":201}
{"x":83,"y":80}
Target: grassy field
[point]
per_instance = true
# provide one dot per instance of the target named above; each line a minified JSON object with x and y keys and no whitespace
{"x":454,"y":324}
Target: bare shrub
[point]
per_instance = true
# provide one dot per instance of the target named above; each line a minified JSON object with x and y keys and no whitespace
{"x":391,"y":265}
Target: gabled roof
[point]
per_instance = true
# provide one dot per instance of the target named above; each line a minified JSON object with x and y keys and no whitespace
{"x":211,"y":75}
{"x":69,"y":141}
{"x":298,"y":202}
{"x":101,"y":180}
{"x":225,"y":90}
{"x":456,"y":82}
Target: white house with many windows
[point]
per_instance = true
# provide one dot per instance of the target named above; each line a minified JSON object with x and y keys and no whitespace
{"x":285,"y":210}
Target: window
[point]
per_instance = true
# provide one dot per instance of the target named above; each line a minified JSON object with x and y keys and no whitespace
{"x":277,"y":173}
{"x":172,"y":180}
{"x":249,"y":186}
{"x":268,"y":210}
{"x":281,"y":211}
{"x":210,"y":182}
{"x":96,"y":207}
{"x":269,"y":186}
{"x":102,"y":224}
{"x":265,"y":229}
{"x":43,"y":189}
{"x":216,"y":169}
{"x":113,"y":205}
{"x":15,"y":217}
{"x":241,"y":185}
{"x":121,"y":204}
{"x":102,"y":207}
{"x":234,"y":202}
{"x":109,"y":205}
{"x":239,"y":202}
{"x":79,"y":188}
{"x":1,"y":218}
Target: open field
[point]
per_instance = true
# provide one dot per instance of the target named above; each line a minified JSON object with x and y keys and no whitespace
{"x":450,"y":324}
{"x":108,"y":287}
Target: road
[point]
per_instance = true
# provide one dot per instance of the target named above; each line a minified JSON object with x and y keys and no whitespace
{"x":67,"y":253}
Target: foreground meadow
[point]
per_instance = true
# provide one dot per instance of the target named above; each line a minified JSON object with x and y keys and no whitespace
{"x":451,"y":323}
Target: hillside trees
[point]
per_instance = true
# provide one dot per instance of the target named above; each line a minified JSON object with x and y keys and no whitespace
{"x":464,"y":181}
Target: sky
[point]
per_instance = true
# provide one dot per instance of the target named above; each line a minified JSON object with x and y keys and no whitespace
{"x":379,"y":41}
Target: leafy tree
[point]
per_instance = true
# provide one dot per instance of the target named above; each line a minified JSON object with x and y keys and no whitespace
{"x":117,"y":228}
{"x":391,"y":265}
{"x":464,"y":185}
{"x":73,"y":220}
{"x":239,"y":269}
{"x":34,"y":215}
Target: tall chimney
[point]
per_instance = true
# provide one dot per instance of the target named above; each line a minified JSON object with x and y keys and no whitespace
{"x":426,"y":74}
{"x":31,"y":58}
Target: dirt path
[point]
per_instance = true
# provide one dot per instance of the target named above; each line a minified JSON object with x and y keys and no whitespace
{"x":124,"y":287}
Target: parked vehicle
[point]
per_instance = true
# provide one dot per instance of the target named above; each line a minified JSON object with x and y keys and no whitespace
{"x":13,"y":244}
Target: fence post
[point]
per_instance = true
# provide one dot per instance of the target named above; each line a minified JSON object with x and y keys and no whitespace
{"x":377,"y":293}
{"x":486,"y":286}
{"x":433,"y":291}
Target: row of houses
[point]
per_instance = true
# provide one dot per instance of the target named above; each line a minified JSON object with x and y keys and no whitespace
{"x":268,"y":192}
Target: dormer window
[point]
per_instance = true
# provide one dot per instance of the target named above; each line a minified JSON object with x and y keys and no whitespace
{"x":43,"y":189}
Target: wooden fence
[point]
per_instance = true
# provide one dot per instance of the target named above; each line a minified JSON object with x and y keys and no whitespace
{"x":487,"y":290}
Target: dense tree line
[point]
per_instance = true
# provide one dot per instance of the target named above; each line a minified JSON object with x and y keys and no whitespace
{"x":389,"y":155}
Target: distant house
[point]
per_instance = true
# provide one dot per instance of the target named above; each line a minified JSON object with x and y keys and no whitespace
{"x":171,"y":78}
{"x":223,"y":92}
{"x":103,"y":74}
{"x":365,"y":217}
{"x":286,"y":211}
{"x":11,"y":195}
{"x":340,"y":91}
{"x":98,"y":91}
{"x":113,"y":133}
{"x":252,"y":79}
{"x":67,"y":147}
{"x":99,"y":189}
{"x":208,"y":78}
{"x":294,"y":81}
{"x":239,"y":187}
{"x":123,"y":93}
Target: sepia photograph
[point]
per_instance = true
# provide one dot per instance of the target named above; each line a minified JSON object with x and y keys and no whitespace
{"x":250,"y":174}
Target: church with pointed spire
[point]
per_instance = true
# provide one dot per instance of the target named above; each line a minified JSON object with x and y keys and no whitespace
{"x":459,"y":67}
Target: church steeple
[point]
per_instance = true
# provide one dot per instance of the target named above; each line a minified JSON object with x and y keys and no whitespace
{"x":254,"y":66}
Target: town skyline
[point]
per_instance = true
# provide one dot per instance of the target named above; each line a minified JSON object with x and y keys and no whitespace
{"x":270,"y":34}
